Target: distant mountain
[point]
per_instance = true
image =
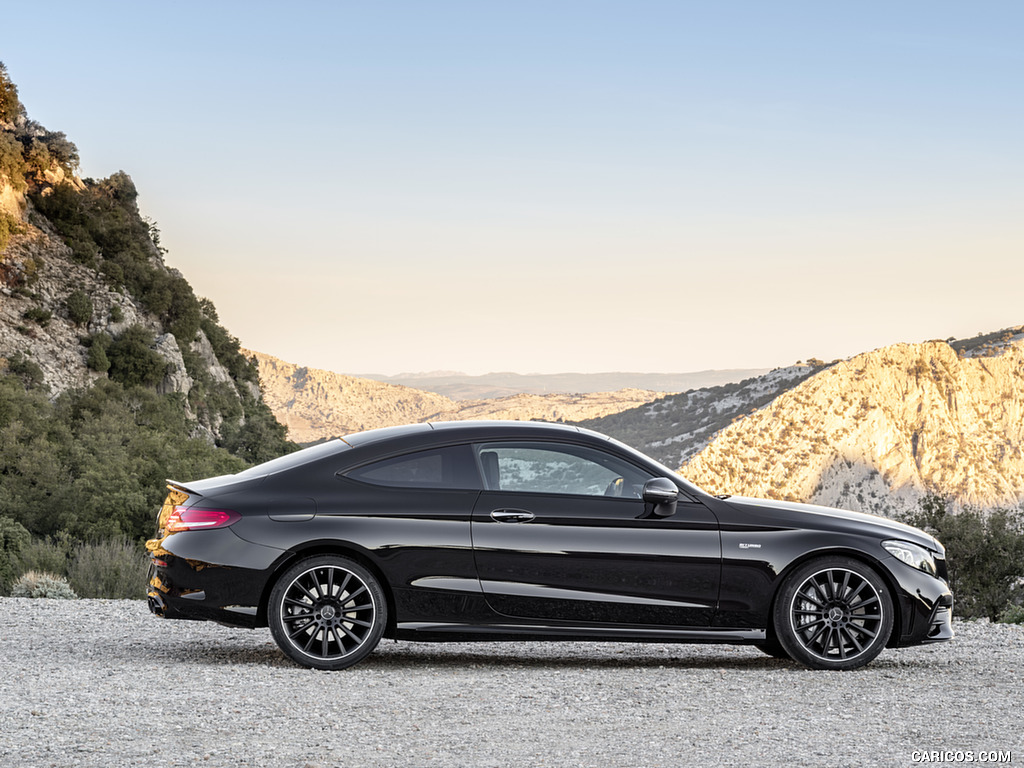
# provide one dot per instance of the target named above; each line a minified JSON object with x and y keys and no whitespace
{"x":315,"y":404}
{"x":676,"y":427}
{"x":878,"y":431}
{"x":461,"y":386}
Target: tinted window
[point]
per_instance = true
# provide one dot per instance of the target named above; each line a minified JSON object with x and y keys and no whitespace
{"x":450,"y":467}
{"x":546,"y":468}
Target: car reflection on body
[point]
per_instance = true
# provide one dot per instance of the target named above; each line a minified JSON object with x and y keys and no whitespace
{"x":519,"y":530}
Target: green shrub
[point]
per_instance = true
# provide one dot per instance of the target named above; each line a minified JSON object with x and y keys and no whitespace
{"x":38,"y":584}
{"x":38,"y":315}
{"x":12,"y":164}
{"x":79,"y":307}
{"x":113,"y":569}
{"x":1012,"y":615}
{"x":9,"y":225}
{"x":13,"y":537}
{"x":97,"y":359}
{"x":132,"y":360}
{"x":116,"y":314}
{"x":984,"y":554}
{"x":47,"y":555}
{"x":28,"y":371}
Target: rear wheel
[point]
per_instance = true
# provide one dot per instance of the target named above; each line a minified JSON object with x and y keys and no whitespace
{"x":833,"y":613}
{"x":327,"y":612}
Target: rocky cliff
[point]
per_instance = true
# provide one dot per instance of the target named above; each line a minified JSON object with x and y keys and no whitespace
{"x":878,"y":431}
{"x":85,"y":294}
{"x":315,"y":404}
{"x":676,"y":427}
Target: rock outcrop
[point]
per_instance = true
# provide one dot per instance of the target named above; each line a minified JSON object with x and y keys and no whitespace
{"x":878,"y":431}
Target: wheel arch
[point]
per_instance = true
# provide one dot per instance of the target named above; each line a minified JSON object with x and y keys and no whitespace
{"x":854,"y":554}
{"x":343,"y":549}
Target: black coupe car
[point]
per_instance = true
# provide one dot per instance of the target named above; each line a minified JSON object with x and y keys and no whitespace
{"x":514,"y":531}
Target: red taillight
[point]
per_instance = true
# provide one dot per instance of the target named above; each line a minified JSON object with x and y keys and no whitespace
{"x":182,"y":519}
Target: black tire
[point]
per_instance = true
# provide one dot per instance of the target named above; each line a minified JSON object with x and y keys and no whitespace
{"x":833,"y":613}
{"x":327,"y":612}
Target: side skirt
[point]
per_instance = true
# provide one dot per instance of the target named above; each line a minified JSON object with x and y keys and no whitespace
{"x":453,"y":632}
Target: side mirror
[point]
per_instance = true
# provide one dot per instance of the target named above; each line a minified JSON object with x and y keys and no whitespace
{"x":662,"y":494}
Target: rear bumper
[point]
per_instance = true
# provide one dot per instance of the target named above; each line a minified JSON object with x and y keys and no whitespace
{"x":221,"y":585}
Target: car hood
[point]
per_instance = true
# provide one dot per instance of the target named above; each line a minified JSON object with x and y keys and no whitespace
{"x":807,"y":514}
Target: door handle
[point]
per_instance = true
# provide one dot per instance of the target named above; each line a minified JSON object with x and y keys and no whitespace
{"x":511,"y":516}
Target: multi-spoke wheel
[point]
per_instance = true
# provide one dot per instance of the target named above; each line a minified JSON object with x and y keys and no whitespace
{"x":833,"y":613}
{"x":327,"y":612}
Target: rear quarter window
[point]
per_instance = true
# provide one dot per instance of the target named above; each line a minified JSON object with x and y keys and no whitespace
{"x":452,"y":467}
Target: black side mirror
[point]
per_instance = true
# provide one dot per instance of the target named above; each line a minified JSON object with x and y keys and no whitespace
{"x":662,"y":494}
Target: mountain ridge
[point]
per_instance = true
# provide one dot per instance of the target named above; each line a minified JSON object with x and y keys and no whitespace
{"x":461,"y":386}
{"x":315,"y":404}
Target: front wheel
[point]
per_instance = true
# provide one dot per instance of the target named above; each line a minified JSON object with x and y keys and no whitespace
{"x":327,"y":612}
{"x":833,"y":613}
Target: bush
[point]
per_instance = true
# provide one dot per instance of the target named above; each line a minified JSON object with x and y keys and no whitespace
{"x":132,"y":360}
{"x":45,"y":555}
{"x":1012,"y":615}
{"x":79,"y":307}
{"x":113,"y":569}
{"x":37,"y":584}
{"x":12,"y":164}
{"x":28,"y":371}
{"x":116,"y":314}
{"x":13,"y":537}
{"x":9,"y":225}
{"x":97,"y":359}
{"x":984,"y":554}
{"x":38,"y":315}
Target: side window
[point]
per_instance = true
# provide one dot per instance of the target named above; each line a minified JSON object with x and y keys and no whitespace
{"x":452,"y":467}
{"x":545,"y":468}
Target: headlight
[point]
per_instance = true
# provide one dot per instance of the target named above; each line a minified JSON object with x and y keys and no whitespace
{"x":913,"y":555}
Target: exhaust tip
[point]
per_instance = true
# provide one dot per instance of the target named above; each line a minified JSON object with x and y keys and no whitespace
{"x":156,"y":605}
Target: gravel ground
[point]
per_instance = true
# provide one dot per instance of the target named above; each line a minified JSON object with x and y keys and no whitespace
{"x":103,"y":683}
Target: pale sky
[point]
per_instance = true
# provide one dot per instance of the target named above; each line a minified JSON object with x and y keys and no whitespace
{"x":558,"y":186}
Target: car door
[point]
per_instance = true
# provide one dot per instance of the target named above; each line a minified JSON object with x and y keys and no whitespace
{"x":561,"y":533}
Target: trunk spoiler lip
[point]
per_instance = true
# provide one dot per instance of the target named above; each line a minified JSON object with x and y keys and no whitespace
{"x":219,"y":484}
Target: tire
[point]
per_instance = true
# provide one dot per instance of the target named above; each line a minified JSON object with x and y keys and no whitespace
{"x":833,"y":613}
{"x":327,"y":612}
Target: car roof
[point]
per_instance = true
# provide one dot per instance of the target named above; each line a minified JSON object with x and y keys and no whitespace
{"x":477,"y":428}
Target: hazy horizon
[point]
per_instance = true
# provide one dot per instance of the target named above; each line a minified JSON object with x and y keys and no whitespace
{"x":590,"y":187}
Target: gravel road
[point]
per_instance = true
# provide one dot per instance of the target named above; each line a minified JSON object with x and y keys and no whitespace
{"x":102,"y":683}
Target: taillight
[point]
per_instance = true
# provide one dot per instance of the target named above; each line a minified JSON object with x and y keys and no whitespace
{"x":182,"y":519}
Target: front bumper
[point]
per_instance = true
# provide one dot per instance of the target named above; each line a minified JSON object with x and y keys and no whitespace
{"x":926,"y":607}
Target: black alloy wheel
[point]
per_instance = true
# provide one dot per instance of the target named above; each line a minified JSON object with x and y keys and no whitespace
{"x":833,"y":613}
{"x":327,"y":612}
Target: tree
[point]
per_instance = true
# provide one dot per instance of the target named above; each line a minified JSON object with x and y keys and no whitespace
{"x":10,"y":105}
